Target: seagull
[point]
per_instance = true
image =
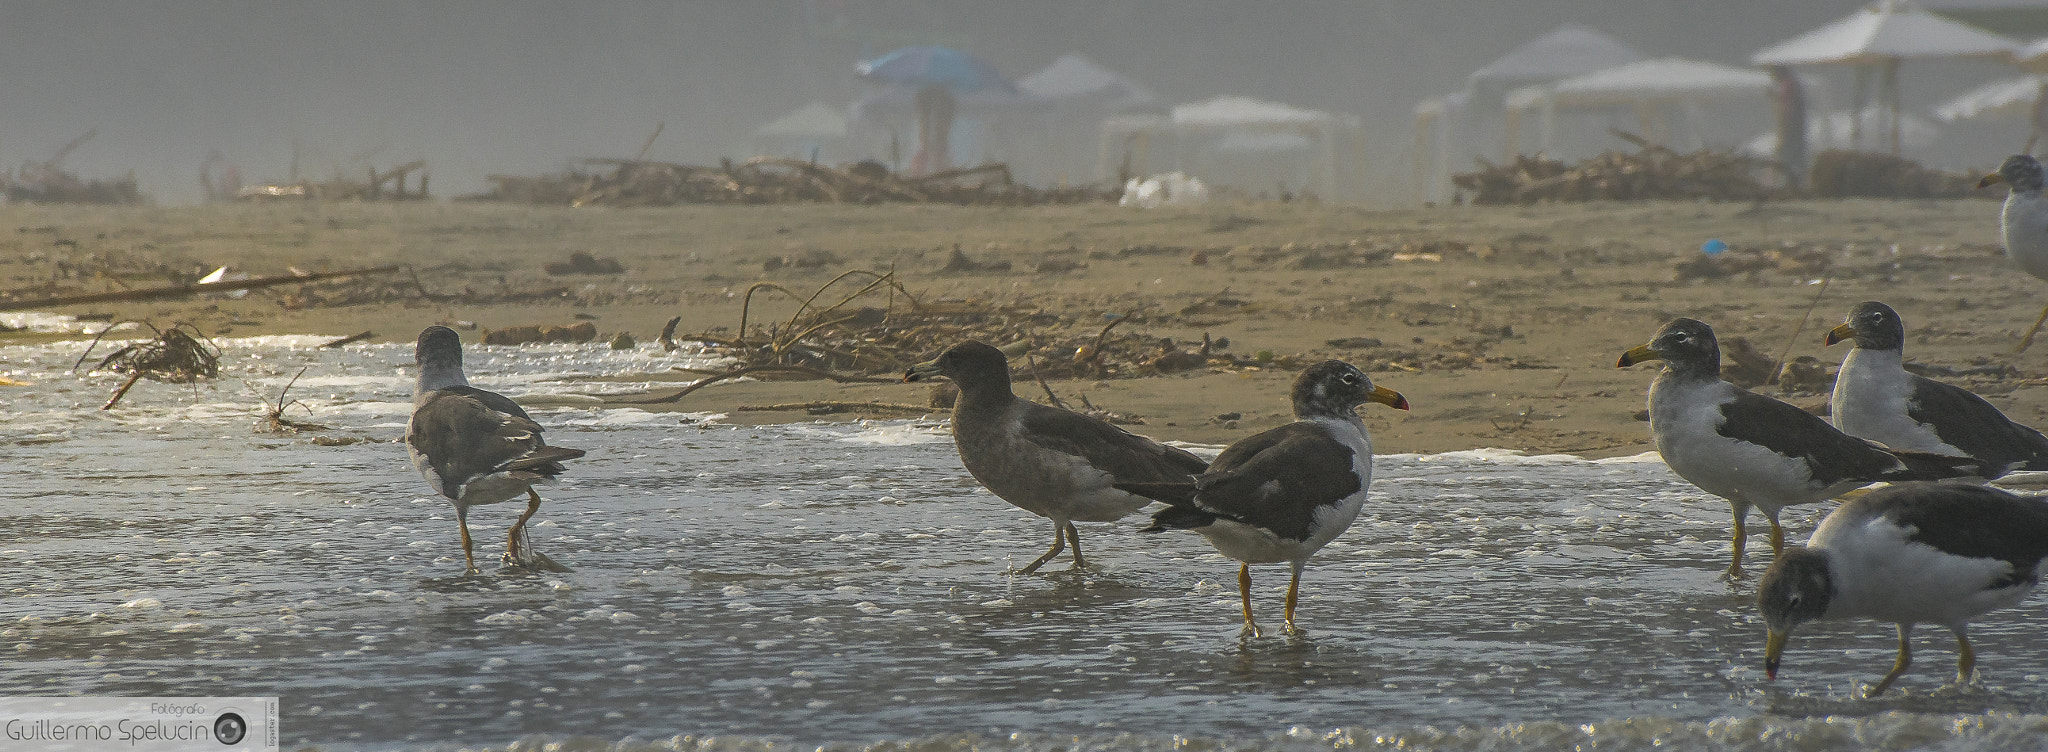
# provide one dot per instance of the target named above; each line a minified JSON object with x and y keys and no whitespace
{"x":2023,"y":223}
{"x":1283,"y":494}
{"x":475,"y":446}
{"x":1939,"y":553}
{"x":1877,"y":399}
{"x":1054,"y":463}
{"x":1753,"y":450}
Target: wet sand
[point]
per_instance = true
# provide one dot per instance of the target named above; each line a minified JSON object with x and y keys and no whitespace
{"x":1501,"y":325}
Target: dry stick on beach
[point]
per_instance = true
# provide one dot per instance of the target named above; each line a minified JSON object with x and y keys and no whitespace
{"x":1779,"y":364}
{"x":178,"y":291}
{"x":838,"y":406}
{"x":1056,"y":401}
{"x":357,"y":337}
{"x":738,"y":372}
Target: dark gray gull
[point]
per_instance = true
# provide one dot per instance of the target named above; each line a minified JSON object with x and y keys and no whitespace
{"x":1054,"y":463}
{"x":2023,"y":223}
{"x":1753,"y":450}
{"x":1283,"y":494}
{"x":1932,"y":553}
{"x":475,"y":446}
{"x":1878,"y":399}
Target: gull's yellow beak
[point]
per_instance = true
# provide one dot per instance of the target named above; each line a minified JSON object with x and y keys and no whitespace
{"x":922,"y":371}
{"x":1387,"y":397}
{"x":1774,"y":647}
{"x":1637,"y":354}
{"x":1990,"y":180}
{"x":1840,"y":333}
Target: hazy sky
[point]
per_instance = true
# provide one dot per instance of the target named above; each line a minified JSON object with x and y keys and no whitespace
{"x":516,"y":86}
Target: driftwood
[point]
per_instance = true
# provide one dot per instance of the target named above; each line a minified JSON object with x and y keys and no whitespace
{"x":179,"y":291}
{"x":357,"y":337}
{"x":638,"y":182}
{"x":1652,"y":172}
{"x":173,"y":356}
{"x":822,"y":407}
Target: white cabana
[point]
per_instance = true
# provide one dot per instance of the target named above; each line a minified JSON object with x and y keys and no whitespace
{"x":1647,"y":87}
{"x":1874,"y":40}
{"x":1452,"y":129}
{"x":1077,"y":94}
{"x":1073,"y":79}
{"x":2002,"y":97}
{"x":1568,"y":50}
{"x":1836,"y":130}
{"x":1304,"y":144}
{"x":815,"y":130}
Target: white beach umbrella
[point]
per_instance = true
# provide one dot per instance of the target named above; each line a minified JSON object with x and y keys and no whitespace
{"x":1876,"y":38}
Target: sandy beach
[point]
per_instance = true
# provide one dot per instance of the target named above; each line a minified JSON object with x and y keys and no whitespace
{"x":1501,"y":325}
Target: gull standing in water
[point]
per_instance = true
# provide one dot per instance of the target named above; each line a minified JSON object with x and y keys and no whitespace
{"x":1936,"y":553}
{"x":1054,"y":463}
{"x":1283,"y":494}
{"x":475,"y":446}
{"x":1753,"y":450}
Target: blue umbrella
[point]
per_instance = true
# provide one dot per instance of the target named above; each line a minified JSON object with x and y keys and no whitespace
{"x":920,"y":66}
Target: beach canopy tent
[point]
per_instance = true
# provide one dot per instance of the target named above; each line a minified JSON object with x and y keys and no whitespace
{"x":1647,"y":88}
{"x":1452,"y":130}
{"x":1565,"y":51}
{"x":1074,"y":80}
{"x":945,"y":99}
{"x":813,"y":131}
{"x":1836,"y":130}
{"x":1874,"y":40}
{"x":1240,"y":142}
{"x":1077,"y":94}
{"x":2005,"y":96}
{"x":2020,"y":18}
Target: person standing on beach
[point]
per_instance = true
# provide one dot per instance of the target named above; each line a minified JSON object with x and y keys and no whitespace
{"x":1790,"y":100}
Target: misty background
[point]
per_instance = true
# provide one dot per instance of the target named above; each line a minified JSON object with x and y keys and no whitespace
{"x":478,"y":87}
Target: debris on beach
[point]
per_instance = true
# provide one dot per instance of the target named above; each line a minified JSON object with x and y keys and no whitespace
{"x":274,"y":418}
{"x":179,"y":355}
{"x":1653,"y":171}
{"x":579,"y":332}
{"x":584,"y":263}
{"x":1839,"y":173}
{"x":772,"y":180}
{"x":386,"y":185}
{"x":46,"y":182}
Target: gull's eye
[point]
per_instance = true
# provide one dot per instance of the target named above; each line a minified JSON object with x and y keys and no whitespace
{"x":1350,"y":378}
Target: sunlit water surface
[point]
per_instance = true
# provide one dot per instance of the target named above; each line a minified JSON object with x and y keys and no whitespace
{"x":848,"y":585}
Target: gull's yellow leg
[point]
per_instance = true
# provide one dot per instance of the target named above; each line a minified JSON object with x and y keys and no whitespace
{"x":2028,"y":340}
{"x":1741,"y":538}
{"x":1244,"y":595}
{"x":1293,"y":590}
{"x":1075,"y":536}
{"x":1059,"y":543}
{"x":1777,"y":537}
{"x":462,"y":520}
{"x":1966,"y":659}
{"x":519,"y":528}
{"x":1898,"y":666}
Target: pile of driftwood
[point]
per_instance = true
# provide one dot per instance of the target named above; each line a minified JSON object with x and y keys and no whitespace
{"x":765,"y":180}
{"x":178,"y":355}
{"x":1652,"y":172}
{"x":36,"y":184}
{"x":1850,"y":174}
{"x":47,"y":183}
{"x":864,"y":326}
{"x":385,"y":185}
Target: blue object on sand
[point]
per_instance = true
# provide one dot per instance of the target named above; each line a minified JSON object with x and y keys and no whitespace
{"x":1713,"y":247}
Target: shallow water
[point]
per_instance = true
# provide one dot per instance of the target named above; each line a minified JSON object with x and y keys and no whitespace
{"x":847,"y":584}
